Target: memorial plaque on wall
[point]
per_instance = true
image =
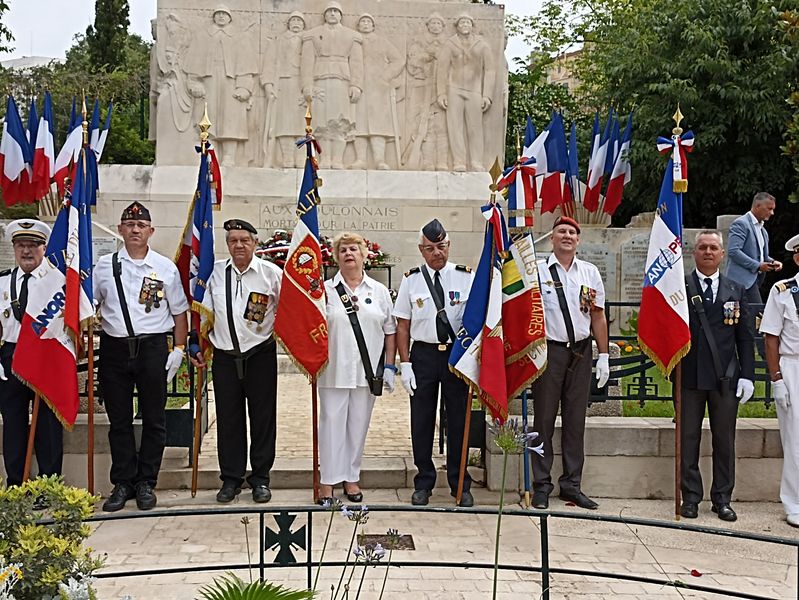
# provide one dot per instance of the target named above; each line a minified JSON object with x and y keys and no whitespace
{"x":102,"y":246}
{"x":633,"y":263}
{"x":605,"y":261}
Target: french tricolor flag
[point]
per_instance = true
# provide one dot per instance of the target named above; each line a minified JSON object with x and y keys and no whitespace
{"x":552,"y":187}
{"x":69,"y":152}
{"x":596,"y":164}
{"x":621,"y":174}
{"x":16,"y":158}
{"x":44,"y":151}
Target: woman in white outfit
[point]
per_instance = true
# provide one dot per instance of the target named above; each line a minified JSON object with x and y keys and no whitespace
{"x":345,"y":396}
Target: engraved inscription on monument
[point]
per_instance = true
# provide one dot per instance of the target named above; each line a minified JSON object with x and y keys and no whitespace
{"x":334,"y":218}
{"x":605,"y":261}
{"x":633,"y":264}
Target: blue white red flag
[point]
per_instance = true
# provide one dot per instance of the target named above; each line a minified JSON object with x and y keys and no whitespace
{"x":556,"y":164}
{"x":69,"y":152}
{"x":301,"y":319}
{"x":99,"y":136}
{"x":613,"y":147}
{"x":529,"y":138}
{"x":16,"y":158}
{"x":678,"y":146}
{"x":44,"y":151}
{"x":195,"y":255}
{"x":622,"y":173}
{"x":596,"y":164}
{"x":33,"y":123}
{"x":573,"y":172}
{"x":478,"y":354}
{"x":520,"y":183}
{"x":663,"y":332}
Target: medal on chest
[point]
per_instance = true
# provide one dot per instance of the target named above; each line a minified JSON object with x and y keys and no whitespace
{"x":151,"y":293}
{"x":732,"y":312}
{"x":255,"y":311}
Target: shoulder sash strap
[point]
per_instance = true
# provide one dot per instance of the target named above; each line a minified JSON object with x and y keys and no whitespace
{"x":697,"y":302}
{"x":16,"y":308}
{"x":239,"y":360}
{"x":564,"y":306}
{"x":356,"y":329}
{"x":116,"y":269}
{"x":441,"y":313}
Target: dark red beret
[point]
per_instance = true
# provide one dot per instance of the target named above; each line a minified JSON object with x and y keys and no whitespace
{"x":566,"y":221}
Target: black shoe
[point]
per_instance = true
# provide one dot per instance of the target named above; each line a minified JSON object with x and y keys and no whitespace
{"x":579,"y":499}
{"x":145,"y":496}
{"x":121,"y":493}
{"x":540,"y":500}
{"x":228,"y":492}
{"x":41,"y":503}
{"x":326,"y":500}
{"x":725,"y":512}
{"x":354,"y":496}
{"x":261,"y":494}
{"x":421,"y":497}
{"x":467,"y":500}
{"x":689,"y":510}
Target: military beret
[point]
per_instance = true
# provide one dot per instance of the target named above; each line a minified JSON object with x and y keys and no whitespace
{"x":792,"y":245}
{"x":136,"y":212}
{"x":566,"y":221}
{"x":434,"y":231}
{"x":28,"y":229}
{"x":239,"y":225}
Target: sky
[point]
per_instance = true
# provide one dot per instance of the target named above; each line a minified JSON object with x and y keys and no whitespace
{"x":52,"y":37}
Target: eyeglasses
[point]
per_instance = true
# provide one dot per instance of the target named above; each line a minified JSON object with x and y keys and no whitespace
{"x":430,"y":249}
{"x":135,"y":224}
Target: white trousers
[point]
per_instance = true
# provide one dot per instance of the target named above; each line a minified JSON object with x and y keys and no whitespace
{"x":343,"y":422}
{"x":789,"y":434}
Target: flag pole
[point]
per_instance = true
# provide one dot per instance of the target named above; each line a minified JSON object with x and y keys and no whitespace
{"x":31,"y":435}
{"x":677,"y":393}
{"x":90,"y":410}
{"x":467,"y":425}
{"x":204,"y":125}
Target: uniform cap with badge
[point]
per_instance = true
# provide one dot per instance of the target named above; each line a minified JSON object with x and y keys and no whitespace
{"x":135,"y":212}
{"x":792,"y":245}
{"x":239,"y":225}
{"x":30,"y":230}
{"x":435,"y":232}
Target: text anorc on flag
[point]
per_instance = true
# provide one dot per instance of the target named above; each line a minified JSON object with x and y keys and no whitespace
{"x":301,"y":322}
{"x":664,"y":302}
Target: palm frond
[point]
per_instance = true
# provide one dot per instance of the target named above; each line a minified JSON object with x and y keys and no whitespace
{"x":231,"y":587}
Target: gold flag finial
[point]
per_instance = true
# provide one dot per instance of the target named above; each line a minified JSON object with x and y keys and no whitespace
{"x":308,"y":116}
{"x":204,"y":125}
{"x":85,"y":122}
{"x":496,"y":172}
{"x":518,"y":146}
{"x":678,"y":117}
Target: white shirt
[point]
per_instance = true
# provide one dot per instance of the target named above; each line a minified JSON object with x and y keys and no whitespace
{"x":153,"y":266}
{"x":758,"y":225}
{"x":581,"y":273}
{"x":257,"y":287}
{"x":780,"y":318}
{"x":415,"y":302}
{"x":345,"y":367}
{"x":714,"y":283}
{"x":8,"y":321}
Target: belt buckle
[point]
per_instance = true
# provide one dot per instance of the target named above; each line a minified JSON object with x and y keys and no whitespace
{"x":441,"y":347}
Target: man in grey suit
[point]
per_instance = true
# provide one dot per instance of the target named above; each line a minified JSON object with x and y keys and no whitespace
{"x":749,"y":259}
{"x":720,"y":330}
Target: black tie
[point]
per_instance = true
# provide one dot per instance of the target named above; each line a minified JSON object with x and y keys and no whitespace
{"x":23,"y":293}
{"x":707,"y":296}
{"x":441,"y":329}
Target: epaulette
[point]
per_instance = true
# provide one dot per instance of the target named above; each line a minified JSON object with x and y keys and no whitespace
{"x":464,"y":268}
{"x":5,"y":272}
{"x":785,"y":285}
{"x":412,"y":271}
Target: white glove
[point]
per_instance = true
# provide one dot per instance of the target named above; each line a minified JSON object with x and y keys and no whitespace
{"x":3,"y":373}
{"x":745,"y":390}
{"x":602,"y":369}
{"x":388,"y":379}
{"x":779,"y":391}
{"x":407,"y":377}
{"x":173,"y":362}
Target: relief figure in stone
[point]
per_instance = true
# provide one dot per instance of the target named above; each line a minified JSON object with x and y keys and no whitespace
{"x":376,"y":113}
{"x":332,"y":79}
{"x":465,"y":82}
{"x":222,"y":67}
{"x":427,"y":148}
{"x":280,"y":77}
{"x":170,"y":99}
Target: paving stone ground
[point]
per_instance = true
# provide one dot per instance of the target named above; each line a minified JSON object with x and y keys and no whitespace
{"x":747,"y":567}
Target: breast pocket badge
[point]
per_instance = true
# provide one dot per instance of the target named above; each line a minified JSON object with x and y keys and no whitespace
{"x":151,"y":293}
{"x":255,"y":311}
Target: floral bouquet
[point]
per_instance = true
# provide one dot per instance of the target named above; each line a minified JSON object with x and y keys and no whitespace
{"x":276,"y":248}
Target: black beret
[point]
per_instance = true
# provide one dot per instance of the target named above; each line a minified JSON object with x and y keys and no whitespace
{"x":434,"y":231}
{"x":136,"y":212}
{"x":238,"y":224}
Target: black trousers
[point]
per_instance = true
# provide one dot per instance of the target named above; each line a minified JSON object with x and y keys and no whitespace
{"x":752,"y":296}
{"x":565,"y":383}
{"x":235,"y":399}
{"x":15,"y":405}
{"x":431,"y":370}
{"x":118,"y":374}
{"x":723,"y":411}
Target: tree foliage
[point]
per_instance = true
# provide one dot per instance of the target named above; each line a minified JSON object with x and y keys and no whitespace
{"x":725,"y":62}
{"x":107,"y":38}
{"x":6,"y":37}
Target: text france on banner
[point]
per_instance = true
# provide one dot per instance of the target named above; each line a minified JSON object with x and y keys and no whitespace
{"x":663,"y":332}
{"x":301,"y":322}
{"x":478,"y":354}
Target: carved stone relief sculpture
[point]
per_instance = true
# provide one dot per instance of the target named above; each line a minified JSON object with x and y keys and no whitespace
{"x":465,"y":83}
{"x":377,"y":119}
{"x":427,"y":146}
{"x":332,"y":78}
{"x":280,"y":76}
{"x":221,"y":70}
